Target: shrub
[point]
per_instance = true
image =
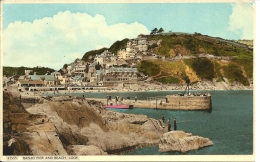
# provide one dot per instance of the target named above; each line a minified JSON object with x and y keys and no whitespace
{"x":203,"y":67}
{"x":234,"y":73}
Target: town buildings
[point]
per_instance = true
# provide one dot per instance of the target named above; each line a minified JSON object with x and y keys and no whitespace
{"x":107,"y":69}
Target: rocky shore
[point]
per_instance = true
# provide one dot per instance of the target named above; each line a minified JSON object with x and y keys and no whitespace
{"x":74,"y":126}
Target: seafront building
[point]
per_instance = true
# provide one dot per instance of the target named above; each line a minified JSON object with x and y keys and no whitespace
{"x":28,"y":81}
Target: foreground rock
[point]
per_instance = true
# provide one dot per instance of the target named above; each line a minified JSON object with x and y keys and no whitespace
{"x":182,"y":142}
{"x":85,"y":127}
{"x":85,"y":150}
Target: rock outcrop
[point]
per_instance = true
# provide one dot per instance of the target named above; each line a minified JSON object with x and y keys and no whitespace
{"x":182,"y":142}
{"x":81,"y":124}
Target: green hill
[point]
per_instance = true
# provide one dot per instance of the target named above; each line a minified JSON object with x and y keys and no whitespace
{"x":10,"y":71}
{"x":194,"y":44}
{"x":239,"y":68}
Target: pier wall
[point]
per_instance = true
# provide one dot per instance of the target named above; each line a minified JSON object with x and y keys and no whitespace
{"x":178,"y":103}
{"x":189,"y":102}
{"x":173,"y":103}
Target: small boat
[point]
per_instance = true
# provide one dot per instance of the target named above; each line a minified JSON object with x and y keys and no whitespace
{"x":119,"y":106}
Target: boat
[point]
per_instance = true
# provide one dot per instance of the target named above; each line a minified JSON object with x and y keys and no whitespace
{"x":119,"y":106}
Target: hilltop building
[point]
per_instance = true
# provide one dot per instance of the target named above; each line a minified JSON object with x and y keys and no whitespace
{"x":106,"y":59}
{"x":133,"y":47}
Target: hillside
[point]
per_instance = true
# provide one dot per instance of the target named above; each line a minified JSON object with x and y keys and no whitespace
{"x":178,"y":72}
{"x":227,"y":60}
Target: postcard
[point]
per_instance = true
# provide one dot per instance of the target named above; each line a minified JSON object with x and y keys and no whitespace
{"x":128,"y":80}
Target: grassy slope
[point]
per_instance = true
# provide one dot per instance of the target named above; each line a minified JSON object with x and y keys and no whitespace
{"x":240,"y":69}
{"x":199,"y":44}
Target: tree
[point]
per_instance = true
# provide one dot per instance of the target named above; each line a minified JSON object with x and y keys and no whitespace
{"x":65,"y":66}
{"x":154,"y":31}
{"x":160,"y":30}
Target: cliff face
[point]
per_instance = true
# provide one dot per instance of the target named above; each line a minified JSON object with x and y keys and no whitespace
{"x":15,"y":121}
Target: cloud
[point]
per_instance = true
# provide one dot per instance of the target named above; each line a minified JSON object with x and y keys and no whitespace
{"x":54,"y":41}
{"x":241,"y":20}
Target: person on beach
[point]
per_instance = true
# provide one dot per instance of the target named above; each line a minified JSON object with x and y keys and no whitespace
{"x":135,"y":98}
{"x":107,"y":99}
{"x":163,"y":117}
{"x":169,"y":125}
{"x":116,"y":99}
{"x":175,"y":124}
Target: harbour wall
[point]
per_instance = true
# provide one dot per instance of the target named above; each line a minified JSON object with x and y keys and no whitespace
{"x":177,"y":103}
{"x":171,"y":103}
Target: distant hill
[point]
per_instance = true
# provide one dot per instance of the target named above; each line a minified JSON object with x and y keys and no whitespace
{"x":10,"y":71}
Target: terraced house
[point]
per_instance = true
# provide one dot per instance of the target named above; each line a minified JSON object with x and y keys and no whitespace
{"x":116,"y":75}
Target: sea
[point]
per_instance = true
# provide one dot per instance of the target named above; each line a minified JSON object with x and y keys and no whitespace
{"x":229,"y":125}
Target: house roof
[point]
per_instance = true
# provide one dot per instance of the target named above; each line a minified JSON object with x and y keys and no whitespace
{"x":78,"y":77}
{"x":55,"y":72}
{"x":120,"y":69}
{"x":30,"y":82}
{"x":93,"y":64}
{"x":100,"y":71}
{"x":47,"y":77}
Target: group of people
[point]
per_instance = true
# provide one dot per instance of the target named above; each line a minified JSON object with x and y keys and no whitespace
{"x":117,"y":98}
{"x":169,"y":123}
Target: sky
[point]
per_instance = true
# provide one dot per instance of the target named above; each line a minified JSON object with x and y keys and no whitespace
{"x":51,"y":35}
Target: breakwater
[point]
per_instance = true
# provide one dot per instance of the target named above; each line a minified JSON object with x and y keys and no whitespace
{"x":201,"y":102}
{"x":168,"y":103}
